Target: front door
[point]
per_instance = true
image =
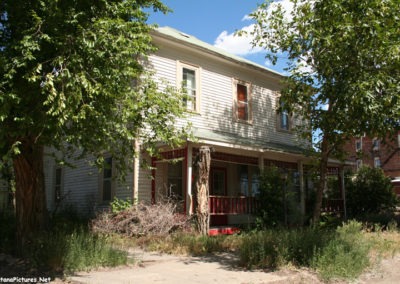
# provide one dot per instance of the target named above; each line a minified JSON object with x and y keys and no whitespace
{"x":218,"y":188}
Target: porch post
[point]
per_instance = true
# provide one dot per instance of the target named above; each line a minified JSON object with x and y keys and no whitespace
{"x":261,"y":163}
{"x":302,"y":191}
{"x":341,"y":169}
{"x":189,"y":173}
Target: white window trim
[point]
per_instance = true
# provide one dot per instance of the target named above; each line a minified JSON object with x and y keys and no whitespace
{"x":179,"y":78}
{"x":249,"y":87}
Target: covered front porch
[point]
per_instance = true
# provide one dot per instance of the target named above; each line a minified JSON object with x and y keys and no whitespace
{"x":234,"y":181}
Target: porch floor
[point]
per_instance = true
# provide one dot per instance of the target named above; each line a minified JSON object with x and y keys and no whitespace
{"x":223,"y":230}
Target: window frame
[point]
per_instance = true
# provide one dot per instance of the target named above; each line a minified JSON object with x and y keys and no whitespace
{"x":197,"y":70}
{"x":111,"y":179}
{"x":377,"y":162}
{"x":375,"y":144}
{"x":358,"y":141}
{"x":249,"y":99}
{"x":279,"y":116}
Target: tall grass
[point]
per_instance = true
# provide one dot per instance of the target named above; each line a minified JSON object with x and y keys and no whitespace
{"x":277,"y":247}
{"x":345,"y":256}
{"x":73,"y":250}
{"x":341,"y":253}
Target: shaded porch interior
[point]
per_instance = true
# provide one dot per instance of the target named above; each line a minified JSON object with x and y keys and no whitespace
{"x":234,"y":183}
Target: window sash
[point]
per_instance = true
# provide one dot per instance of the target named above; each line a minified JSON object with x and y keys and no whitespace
{"x":242,"y":99}
{"x":190,"y":86}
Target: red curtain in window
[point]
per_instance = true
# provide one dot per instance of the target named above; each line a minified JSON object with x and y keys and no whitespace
{"x":242,"y":101}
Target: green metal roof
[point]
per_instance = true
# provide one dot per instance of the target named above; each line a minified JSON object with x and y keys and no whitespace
{"x":219,"y":136}
{"x":193,"y":41}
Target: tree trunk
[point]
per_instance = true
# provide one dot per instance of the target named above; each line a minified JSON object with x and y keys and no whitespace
{"x":31,"y":214}
{"x":202,"y":190}
{"x":323,"y":171}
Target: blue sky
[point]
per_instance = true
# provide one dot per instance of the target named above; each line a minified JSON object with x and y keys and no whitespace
{"x":215,"y":21}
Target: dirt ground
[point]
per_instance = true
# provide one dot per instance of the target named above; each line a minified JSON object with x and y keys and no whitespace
{"x":221,"y":268}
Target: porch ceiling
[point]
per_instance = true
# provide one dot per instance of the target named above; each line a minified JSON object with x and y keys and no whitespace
{"x":205,"y":135}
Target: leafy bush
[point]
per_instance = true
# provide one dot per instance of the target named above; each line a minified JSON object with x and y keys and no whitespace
{"x":118,"y":205}
{"x":271,"y":198}
{"x":370,"y":192}
{"x":140,"y":220}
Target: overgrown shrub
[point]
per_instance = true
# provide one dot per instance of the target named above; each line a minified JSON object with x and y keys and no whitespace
{"x":371,"y":192}
{"x":73,"y":250}
{"x":271,"y":198}
{"x":140,"y":220}
{"x":345,"y":256}
{"x":276,"y":247}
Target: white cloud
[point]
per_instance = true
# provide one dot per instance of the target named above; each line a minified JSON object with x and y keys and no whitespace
{"x":239,"y":45}
{"x":242,"y":45}
{"x":246,"y":18}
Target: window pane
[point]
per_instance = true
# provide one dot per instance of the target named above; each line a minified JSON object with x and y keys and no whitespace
{"x":106,"y":190}
{"x":284,"y":121}
{"x":241,"y":93}
{"x":242,"y":102}
{"x":107,"y":172}
{"x":218,"y":182}
{"x":189,"y":85}
{"x":175,"y":188}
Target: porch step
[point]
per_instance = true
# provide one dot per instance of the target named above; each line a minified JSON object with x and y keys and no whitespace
{"x":223,"y":230}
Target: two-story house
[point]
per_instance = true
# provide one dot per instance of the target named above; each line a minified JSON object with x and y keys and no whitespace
{"x":375,"y":153}
{"x":232,"y":106}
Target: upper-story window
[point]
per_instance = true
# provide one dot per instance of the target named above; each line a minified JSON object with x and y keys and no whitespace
{"x":284,"y":119}
{"x":375,"y":144}
{"x":358,"y":145}
{"x":242,"y":93}
{"x":189,"y":81}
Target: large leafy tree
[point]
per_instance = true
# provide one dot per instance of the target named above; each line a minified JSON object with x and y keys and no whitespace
{"x":72,"y":77}
{"x":344,"y":66}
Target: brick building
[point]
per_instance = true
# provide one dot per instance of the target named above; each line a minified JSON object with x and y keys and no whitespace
{"x":376,"y":153}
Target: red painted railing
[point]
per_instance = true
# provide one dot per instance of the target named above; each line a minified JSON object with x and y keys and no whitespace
{"x":332,"y":205}
{"x":229,"y":205}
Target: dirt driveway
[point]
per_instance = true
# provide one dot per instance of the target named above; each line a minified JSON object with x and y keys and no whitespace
{"x":221,"y":268}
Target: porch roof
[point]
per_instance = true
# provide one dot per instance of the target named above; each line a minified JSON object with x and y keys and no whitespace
{"x":206,"y":135}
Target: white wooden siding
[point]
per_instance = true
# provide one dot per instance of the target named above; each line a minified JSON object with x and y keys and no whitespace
{"x":217,"y":95}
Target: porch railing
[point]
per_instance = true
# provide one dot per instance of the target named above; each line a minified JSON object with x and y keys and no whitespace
{"x":230,"y":205}
{"x":332,"y":206}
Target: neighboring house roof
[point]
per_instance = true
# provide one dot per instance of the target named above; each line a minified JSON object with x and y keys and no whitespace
{"x":177,"y":36}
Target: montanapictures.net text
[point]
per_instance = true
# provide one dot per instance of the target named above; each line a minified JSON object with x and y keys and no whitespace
{"x":25,"y":279}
